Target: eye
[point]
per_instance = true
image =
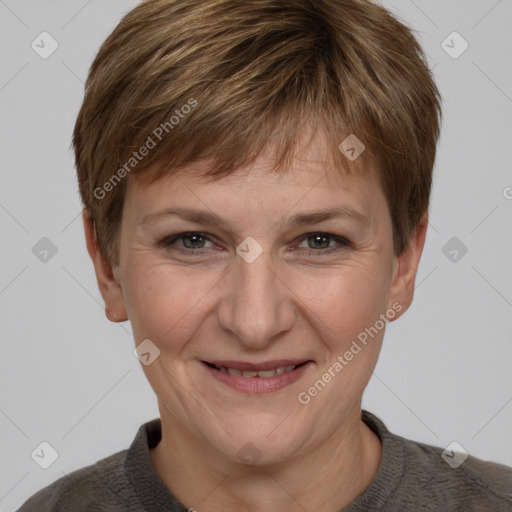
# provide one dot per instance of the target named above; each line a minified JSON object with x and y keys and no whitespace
{"x":319,"y":243}
{"x":193,"y":242}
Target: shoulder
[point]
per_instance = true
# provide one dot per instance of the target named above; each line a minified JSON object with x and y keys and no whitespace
{"x":457,"y":481}
{"x":426,"y":478}
{"x":96,"y":487}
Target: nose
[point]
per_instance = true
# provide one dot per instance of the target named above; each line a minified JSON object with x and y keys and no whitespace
{"x":257,"y":305}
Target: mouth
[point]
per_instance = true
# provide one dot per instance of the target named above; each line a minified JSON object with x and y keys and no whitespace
{"x":264,"y":370}
{"x":257,"y":378}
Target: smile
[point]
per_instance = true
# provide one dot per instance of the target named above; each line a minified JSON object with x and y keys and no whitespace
{"x":256,"y":378}
{"x":252,"y":373}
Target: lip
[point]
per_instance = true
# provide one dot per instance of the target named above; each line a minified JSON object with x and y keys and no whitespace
{"x":257,"y":385}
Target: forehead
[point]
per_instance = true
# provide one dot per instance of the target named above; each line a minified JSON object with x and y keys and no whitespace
{"x":305,"y":181}
{"x":259,"y":200}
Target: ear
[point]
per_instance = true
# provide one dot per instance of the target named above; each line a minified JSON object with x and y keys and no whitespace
{"x":110,"y":289}
{"x":405,"y":268}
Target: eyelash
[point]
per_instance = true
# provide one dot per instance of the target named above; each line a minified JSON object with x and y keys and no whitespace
{"x":168,"y":242}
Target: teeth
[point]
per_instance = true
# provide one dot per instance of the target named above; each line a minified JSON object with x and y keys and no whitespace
{"x":264,"y":373}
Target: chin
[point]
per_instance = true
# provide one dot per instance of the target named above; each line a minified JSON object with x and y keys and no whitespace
{"x":253,"y":440}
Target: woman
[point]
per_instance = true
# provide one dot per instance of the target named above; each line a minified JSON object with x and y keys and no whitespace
{"x":256,"y":179}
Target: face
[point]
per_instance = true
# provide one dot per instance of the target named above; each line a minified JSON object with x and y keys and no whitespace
{"x":260,"y":291}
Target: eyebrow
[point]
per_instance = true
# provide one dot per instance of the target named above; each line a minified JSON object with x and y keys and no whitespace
{"x":209,"y":218}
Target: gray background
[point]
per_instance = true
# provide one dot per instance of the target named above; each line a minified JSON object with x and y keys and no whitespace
{"x":68,"y":376}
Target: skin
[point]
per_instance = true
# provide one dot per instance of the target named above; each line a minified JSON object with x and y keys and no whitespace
{"x":291,"y":302}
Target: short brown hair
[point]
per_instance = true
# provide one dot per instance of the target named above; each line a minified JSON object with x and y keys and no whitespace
{"x":226,"y":78}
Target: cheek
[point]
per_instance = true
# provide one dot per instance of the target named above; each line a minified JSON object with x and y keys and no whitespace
{"x":164,"y":302}
{"x":345,"y":300}
{"x":344,"y":309}
{"x":351,"y":328}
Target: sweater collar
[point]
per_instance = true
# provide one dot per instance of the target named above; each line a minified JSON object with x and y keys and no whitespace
{"x":155,"y":496}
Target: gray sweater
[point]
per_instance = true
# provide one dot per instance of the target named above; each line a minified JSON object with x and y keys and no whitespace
{"x":411,"y":477}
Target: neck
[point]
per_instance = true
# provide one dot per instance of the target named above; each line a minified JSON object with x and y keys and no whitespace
{"x":325,"y":477}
